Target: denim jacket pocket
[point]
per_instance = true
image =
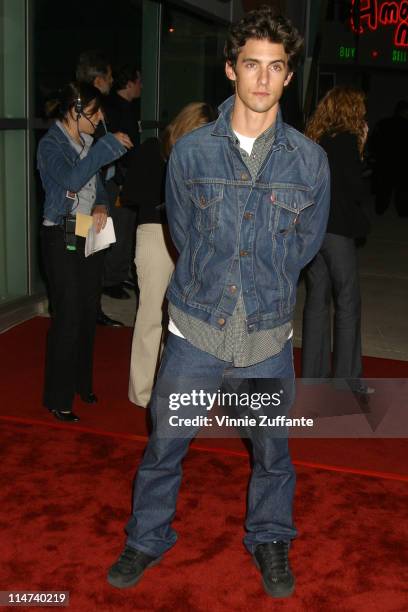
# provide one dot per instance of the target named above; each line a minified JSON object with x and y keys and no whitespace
{"x":207,"y":199}
{"x":286,"y":205}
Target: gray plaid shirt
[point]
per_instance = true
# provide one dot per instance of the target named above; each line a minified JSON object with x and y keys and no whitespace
{"x":233,"y":343}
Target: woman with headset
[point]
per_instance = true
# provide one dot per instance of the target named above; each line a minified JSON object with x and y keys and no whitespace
{"x":69,"y":164}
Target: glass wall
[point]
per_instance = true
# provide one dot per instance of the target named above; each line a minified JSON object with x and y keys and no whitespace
{"x":180,"y":54}
{"x":13,"y":124}
{"x":192,"y":65}
{"x":59,"y":35}
{"x":62,"y":32}
{"x":12,"y":58}
{"x":13,"y":222}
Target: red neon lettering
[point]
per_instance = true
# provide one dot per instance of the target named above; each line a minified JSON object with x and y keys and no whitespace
{"x":360,"y":13}
{"x":388,"y":13}
{"x":404,"y":11}
{"x":370,"y":15}
{"x":401,"y":35}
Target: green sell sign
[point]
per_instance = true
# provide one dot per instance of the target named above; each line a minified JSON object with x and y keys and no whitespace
{"x":399,"y":57}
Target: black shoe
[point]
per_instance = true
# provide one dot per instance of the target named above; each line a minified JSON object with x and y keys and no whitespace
{"x":362,"y":394}
{"x":272,"y":560}
{"x":129,"y":568}
{"x":89,"y":398}
{"x":117,"y":292}
{"x":364,"y":390}
{"x":103,"y":319}
{"x":67,"y":416}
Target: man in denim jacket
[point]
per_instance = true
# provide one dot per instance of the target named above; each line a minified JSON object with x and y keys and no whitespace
{"x":247,"y":200}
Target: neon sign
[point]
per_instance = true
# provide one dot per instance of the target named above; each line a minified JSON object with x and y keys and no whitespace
{"x":372,"y":14}
{"x":399,"y":56}
{"x":347,"y":52}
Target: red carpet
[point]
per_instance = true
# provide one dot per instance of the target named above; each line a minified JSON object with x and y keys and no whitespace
{"x":65,"y":497}
{"x":21,"y":367}
{"x":68,"y":492}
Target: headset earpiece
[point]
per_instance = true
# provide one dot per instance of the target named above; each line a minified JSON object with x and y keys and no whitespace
{"x":78,"y":107}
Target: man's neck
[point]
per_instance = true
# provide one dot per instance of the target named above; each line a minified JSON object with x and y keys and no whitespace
{"x":249,"y":123}
{"x":124,"y":93}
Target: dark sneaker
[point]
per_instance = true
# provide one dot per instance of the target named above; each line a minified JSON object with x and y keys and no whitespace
{"x":129,"y":568}
{"x":273,"y":562}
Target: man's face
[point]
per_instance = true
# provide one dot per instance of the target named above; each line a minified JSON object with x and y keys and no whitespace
{"x":260,"y":74}
{"x":135,"y":87}
{"x":104,"y":82}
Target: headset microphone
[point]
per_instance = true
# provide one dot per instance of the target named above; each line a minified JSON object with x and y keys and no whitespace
{"x":88,"y":119}
{"x":78,"y":107}
{"x":91,"y":122}
{"x":104,"y":124}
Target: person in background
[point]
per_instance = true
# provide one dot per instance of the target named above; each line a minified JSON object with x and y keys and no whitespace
{"x":339,"y":126}
{"x":122,"y":105}
{"x":155,"y":255}
{"x":70,"y":167}
{"x":387,"y":147}
{"x":94,"y":68}
{"x":122,"y":113}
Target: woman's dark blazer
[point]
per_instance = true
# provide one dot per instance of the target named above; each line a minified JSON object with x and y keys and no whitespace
{"x":144,"y":183}
{"x":348,"y":188}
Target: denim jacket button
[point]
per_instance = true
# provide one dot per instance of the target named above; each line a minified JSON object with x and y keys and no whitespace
{"x":243,"y":253}
{"x":202,"y":201}
{"x":244,"y":177}
{"x":248,"y":216}
{"x":233,"y":288}
{"x":221,"y":322}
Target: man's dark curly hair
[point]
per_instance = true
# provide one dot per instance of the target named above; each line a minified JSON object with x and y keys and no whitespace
{"x":263,"y":23}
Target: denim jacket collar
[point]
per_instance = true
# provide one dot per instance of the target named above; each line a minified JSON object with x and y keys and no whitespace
{"x":59,"y":135}
{"x":222,"y":125}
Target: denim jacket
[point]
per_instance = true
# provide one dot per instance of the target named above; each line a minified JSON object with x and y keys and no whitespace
{"x":63,"y":171}
{"x":235,"y":234}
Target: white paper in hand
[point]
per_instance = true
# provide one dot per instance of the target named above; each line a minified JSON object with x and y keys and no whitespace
{"x":96,"y":242}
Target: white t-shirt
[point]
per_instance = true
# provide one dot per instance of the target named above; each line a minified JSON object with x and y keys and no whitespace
{"x":245,"y":142}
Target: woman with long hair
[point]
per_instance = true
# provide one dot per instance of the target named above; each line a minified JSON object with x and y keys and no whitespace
{"x":155,"y":255}
{"x":339,"y":126}
{"x":70,"y":172}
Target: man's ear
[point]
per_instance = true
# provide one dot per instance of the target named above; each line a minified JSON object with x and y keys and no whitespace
{"x":230,"y":72}
{"x":288,"y":79}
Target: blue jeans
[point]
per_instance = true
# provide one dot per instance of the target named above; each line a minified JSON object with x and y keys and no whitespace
{"x":272,"y":483}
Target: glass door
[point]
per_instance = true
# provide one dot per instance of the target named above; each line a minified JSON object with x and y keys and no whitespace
{"x":13,"y":126}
